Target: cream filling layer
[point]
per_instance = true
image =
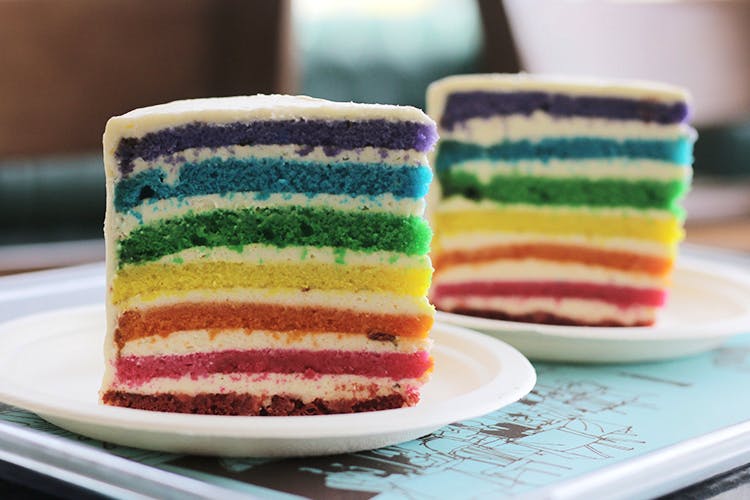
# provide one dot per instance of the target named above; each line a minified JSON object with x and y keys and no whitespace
{"x":202,"y":341}
{"x":616,"y":168}
{"x":269,"y":384}
{"x":172,"y":163}
{"x":591,"y":311}
{"x":123,"y":223}
{"x":543,"y":270}
{"x":477,"y":240}
{"x":260,"y":254}
{"x":460,"y":204}
{"x":573,"y":85}
{"x":540,"y":125}
{"x":372,"y":302}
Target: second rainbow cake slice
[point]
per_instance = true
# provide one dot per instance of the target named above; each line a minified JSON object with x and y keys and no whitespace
{"x":267,"y":255}
{"x":559,"y":198}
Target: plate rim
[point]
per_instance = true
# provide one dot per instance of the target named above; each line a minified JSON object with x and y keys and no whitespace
{"x":656,"y":333}
{"x":485,"y":399}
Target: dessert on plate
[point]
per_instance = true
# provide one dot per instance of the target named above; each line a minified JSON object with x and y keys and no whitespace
{"x":558,"y":199}
{"x":267,"y":255}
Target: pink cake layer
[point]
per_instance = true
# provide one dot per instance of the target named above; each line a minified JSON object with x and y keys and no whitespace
{"x":622,"y":296}
{"x":136,"y":370}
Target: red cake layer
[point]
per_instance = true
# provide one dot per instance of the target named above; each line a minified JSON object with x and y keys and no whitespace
{"x":141,"y":369}
{"x":246,"y":404}
{"x":622,"y":296}
{"x":165,"y":320}
{"x":542,"y":317}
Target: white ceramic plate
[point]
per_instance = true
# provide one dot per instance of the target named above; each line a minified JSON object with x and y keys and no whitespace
{"x":708,"y":303}
{"x":52,"y":365}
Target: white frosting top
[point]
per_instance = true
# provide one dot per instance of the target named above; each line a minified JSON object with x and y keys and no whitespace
{"x":250,"y":108}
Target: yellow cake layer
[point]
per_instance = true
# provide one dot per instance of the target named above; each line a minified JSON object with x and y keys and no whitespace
{"x":149,"y":281}
{"x":592,"y":224}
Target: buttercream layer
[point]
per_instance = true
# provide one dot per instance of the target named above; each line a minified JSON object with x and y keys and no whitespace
{"x":265,"y":254}
{"x":332,"y":135}
{"x":597,"y":168}
{"x":612,"y":259}
{"x":623,"y":296}
{"x":152,"y":280}
{"x":573,"y":191}
{"x":603,"y":223}
{"x":538,"y":125}
{"x":571,"y":85}
{"x":245,"y":404}
{"x":363,"y":301}
{"x":269,"y":384}
{"x":565,"y":310}
{"x":197,"y":341}
{"x":678,"y":151}
{"x":267,"y":176}
{"x":135,"y":370}
{"x":529,"y":269}
{"x":462,"y":242}
{"x":279,"y":226}
{"x":217,"y":316}
{"x":171,"y":163}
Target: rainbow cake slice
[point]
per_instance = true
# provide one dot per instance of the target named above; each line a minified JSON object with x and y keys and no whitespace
{"x":267,"y":255}
{"x":558,"y":198}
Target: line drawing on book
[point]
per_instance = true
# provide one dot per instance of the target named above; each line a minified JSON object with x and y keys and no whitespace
{"x":529,"y":445}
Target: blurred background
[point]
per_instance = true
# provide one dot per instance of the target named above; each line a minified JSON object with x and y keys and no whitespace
{"x":68,"y":66}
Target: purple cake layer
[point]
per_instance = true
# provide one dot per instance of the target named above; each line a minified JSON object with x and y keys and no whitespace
{"x":466,"y":105}
{"x":333,"y":135}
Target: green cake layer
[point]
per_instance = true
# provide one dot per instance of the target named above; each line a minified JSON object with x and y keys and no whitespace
{"x":574,"y":191}
{"x":277,"y":226}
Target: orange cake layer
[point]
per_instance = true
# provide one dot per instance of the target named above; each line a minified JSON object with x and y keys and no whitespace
{"x":134,"y":323}
{"x":627,"y":261}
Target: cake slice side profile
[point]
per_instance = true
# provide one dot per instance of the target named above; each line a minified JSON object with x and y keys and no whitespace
{"x":267,"y":255}
{"x":558,"y":198}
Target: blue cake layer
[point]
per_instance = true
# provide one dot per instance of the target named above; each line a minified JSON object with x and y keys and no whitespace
{"x":333,"y":136}
{"x":677,"y":151}
{"x":266,"y":176}
{"x":462,"y":106}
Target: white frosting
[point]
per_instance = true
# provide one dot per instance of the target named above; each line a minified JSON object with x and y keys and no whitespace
{"x":123,"y":223}
{"x":219,"y":110}
{"x":544,"y":270}
{"x":266,"y":254}
{"x":540,"y":125}
{"x":194,"y":341}
{"x":385,"y":303}
{"x":475,"y":241}
{"x":615,"y":168}
{"x":585,"y":311}
{"x":173,"y":162}
{"x":460,"y":204}
{"x":292,"y":385}
{"x":439,"y":90}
